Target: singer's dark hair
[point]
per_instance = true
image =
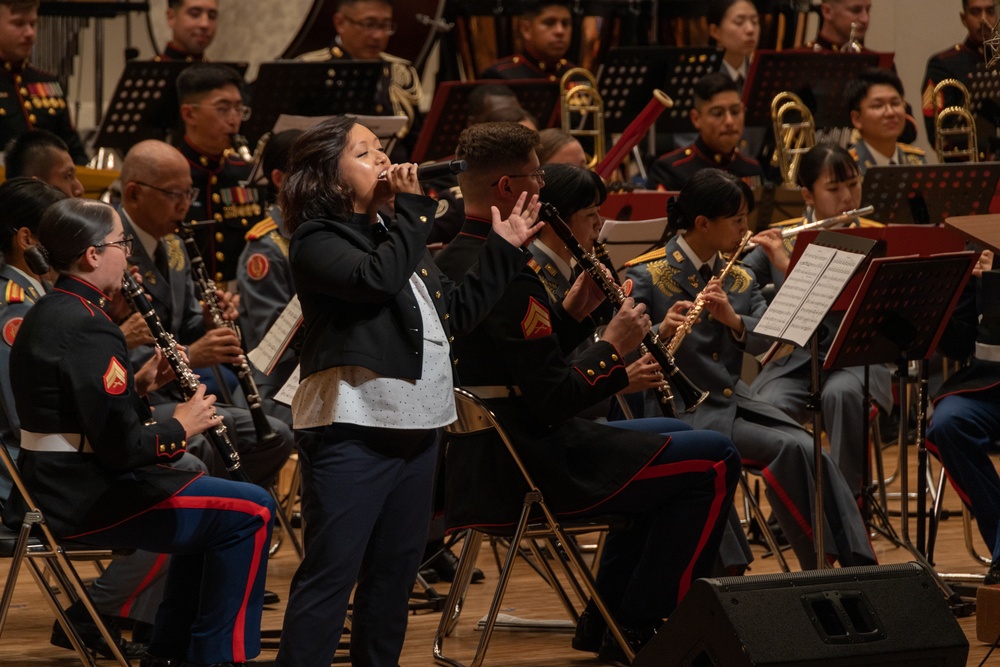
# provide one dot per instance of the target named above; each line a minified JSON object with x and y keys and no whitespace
{"x":571,"y":188}
{"x":67,"y":229}
{"x":712,"y":193}
{"x":23,"y":201}
{"x":275,"y":156}
{"x":313,"y":186}
{"x":827,"y":157}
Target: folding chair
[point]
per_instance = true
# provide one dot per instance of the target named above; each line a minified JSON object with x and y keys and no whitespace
{"x":43,"y":548}
{"x":474,"y":416}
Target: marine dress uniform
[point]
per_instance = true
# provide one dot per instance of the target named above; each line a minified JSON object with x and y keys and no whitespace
{"x":527,"y":66}
{"x":234,"y":208}
{"x":957,"y":62}
{"x":92,"y":456}
{"x":31,"y":98}
{"x":671,"y":171}
{"x":516,"y":360}
{"x":767,"y":439}
{"x":174,"y":53}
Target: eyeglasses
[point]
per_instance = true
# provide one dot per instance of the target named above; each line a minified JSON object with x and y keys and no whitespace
{"x":372,"y":25}
{"x":538,"y":175}
{"x":178,"y":196}
{"x":125,"y":244}
{"x":224,"y":110}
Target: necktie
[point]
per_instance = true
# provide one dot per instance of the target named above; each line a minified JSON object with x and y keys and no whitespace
{"x":706,"y":272}
{"x":160,"y":260}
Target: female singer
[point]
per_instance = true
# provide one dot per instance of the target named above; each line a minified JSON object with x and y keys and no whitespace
{"x":709,"y":218}
{"x":831,"y":185}
{"x":90,"y":450}
{"x":377,"y":382}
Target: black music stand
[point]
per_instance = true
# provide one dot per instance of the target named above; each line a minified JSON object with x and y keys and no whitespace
{"x":312,"y":89}
{"x":817,"y":78}
{"x":144,"y":104}
{"x":629,"y":75}
{"x":449,"y":113}
{"x":927,"y":194}
{"x":984,"y":93}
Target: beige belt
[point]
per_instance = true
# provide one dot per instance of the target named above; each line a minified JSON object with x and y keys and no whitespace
{"x":55,"y":442}
{"x":493,"y":391}
{"x":987,"y":352}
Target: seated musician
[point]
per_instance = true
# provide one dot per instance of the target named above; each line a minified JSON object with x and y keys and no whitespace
{"x":710,"y":218}
{"x":156,"y":191}
{"x":719,"y":116}
{"x":41,"y":154}
{"x":192,"y":28}
{"x":212,"y":110}
{"x":734,"y":25}
{"x":91,"y":450}
{"x":878,"y":113}
{"x":558,"y":147}
{"x":517,"y":360}
{"x":965,"y":424}
{"x":831,"y":185}
{"x":30,"y":97}
{"x":363,"y":30}
{"x":264,"y":276}
{"x":959,"y":62}
{"x":546,"y":30}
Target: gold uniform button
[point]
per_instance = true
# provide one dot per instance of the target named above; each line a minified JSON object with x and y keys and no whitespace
{"x":455,"y":363}
{"x":184,"y":443}
{"x":3,"y":112}
{"x":216,"y":198}
{"x":219,"y":237}
{"x":603,"y":365}
{"x":590,"y":372}
{"x":173,"y":446}
{"x":447,"y":316}
{"x":423,"y":272}
{"x":244,"y":222}
{"x":163,"y":448}
{"x":423,"y":218}
{"x":213,"y":180}
{"x":727,"y":392}
{"x":32,"y":119}
{"x":219,"y":256}
{"x":437,"y":295}
{"x":218,"y":217}
{"x":378,"y":108}
{"x":218,"y":276}
{"x":52,"y":112}
{"x":715,"y":356}
{"x":204,"y":161}
{"x":451,"y":339}
{"x":24,"y":91}
{"x":614,"y":357}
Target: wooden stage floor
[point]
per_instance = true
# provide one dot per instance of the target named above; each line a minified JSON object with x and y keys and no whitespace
{"x":25,"y":641}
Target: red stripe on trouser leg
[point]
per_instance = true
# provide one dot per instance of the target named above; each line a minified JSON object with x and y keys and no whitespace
{"x":786,"y":500}
{"x":710,"y":522}
{"x":143,"y":585}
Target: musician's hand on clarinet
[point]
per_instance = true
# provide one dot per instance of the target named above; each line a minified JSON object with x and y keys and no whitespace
{"x":522,"y":224}
{"x":628,"y":327}
{"x":136,"y":331}
{"x":643,"y":373}
{"x":217,"y":346}
{"x":774,"y":247}
{"x":984,"y":263}
{"x":153,"y":374}
{"x":583,"y":297}
{"x":674,"y":318}
{"x":197,"y":415}
{"x":717,"y":304}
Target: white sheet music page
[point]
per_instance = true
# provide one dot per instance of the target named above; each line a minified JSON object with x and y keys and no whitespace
{"x":266,"y":355}
{"x":287,"y":391}
{"x":808,"y":294}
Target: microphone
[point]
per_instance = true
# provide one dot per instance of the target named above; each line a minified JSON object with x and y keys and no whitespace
{"x":428,"y":172}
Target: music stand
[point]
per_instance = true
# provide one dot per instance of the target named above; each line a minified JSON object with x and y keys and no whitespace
{"x":144,"y":104}
{"x":984,"y":93}
{"x":817,"y":78}
{"x":926,"y":194}
{"x":449,"y":112}
{"x":312,"y":89}
{"x":629,"y":75}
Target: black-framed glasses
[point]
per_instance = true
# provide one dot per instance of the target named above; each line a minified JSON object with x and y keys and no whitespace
{"x":224,"y":110}
{"x":538,"y":175}
{"x":373,"y":25}
{"x":125,"y":244}
{"x":177,"y":195}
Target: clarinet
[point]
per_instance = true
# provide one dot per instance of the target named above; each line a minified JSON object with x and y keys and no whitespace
{"x":262,"y":428}
{"x":188,"y":381}
{"x":675,"y":378}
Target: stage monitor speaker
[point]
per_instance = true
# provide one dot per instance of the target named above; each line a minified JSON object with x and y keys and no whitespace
{"x":889,"y":616}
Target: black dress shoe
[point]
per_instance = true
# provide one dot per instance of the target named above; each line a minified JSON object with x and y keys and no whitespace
{"x":589,"y":633}
{"x":612,"y":653}
{"x":993,"y":574}
{"x":270,"y":597}
{"x":91,"y":635}
{"x":446,"y":566}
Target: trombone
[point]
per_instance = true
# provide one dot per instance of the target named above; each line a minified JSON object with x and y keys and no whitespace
{"x":583,"y":111}
{"x":794,"y":134}
{"x":955,"y":121}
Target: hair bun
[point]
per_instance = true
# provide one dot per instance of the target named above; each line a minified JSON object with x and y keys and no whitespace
{"x":37,"y":258}
{"x":675,"y":218}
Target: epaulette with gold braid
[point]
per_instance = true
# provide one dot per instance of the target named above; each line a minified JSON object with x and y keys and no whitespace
{"x":261,"y":229}
{"x":14,"y":293}
{"x":659,"y":253}
{"x":912,"y":150}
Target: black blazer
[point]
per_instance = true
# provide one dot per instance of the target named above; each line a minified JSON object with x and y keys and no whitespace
{"x":352,"y":278}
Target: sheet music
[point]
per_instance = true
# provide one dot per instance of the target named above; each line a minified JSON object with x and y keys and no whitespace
{"x":266,"y":355}
{"x":808,"y":294}
{"x":287,"y":391}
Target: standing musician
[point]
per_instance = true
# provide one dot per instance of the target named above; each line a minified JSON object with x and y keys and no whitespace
{"x":377,"y":383}
{"x":844,"y":25}
{"x":878,"y":113}
{"x":546,"y":30}
{"x":41,"y":154}
{"x":212,"y":109}
{"x":192,"y":28}
{"x":91,"y":449}
{"x":676,"y":487}
{"x":709,"y":218}
{"x":30,"y":97}
{"x":718,"y":115}
{"x":831,"y":185}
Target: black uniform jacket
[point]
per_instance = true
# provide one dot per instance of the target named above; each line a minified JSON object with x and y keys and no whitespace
{"x":524,"y":344}
{"x":31,"y":98}
{"x":70,"y":373}
{"x":966,"y":328}
{"x":352,"y":278}
{"x":671,"y":171}
{"x":526,"y":66}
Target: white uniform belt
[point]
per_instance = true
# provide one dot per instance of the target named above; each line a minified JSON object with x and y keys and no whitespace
{"x":55,"y":442}
{"x":493,"y":391}
{"x":986,"y":352}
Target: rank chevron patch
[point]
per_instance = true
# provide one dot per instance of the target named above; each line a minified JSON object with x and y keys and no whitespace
{"x":537,"y":321}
